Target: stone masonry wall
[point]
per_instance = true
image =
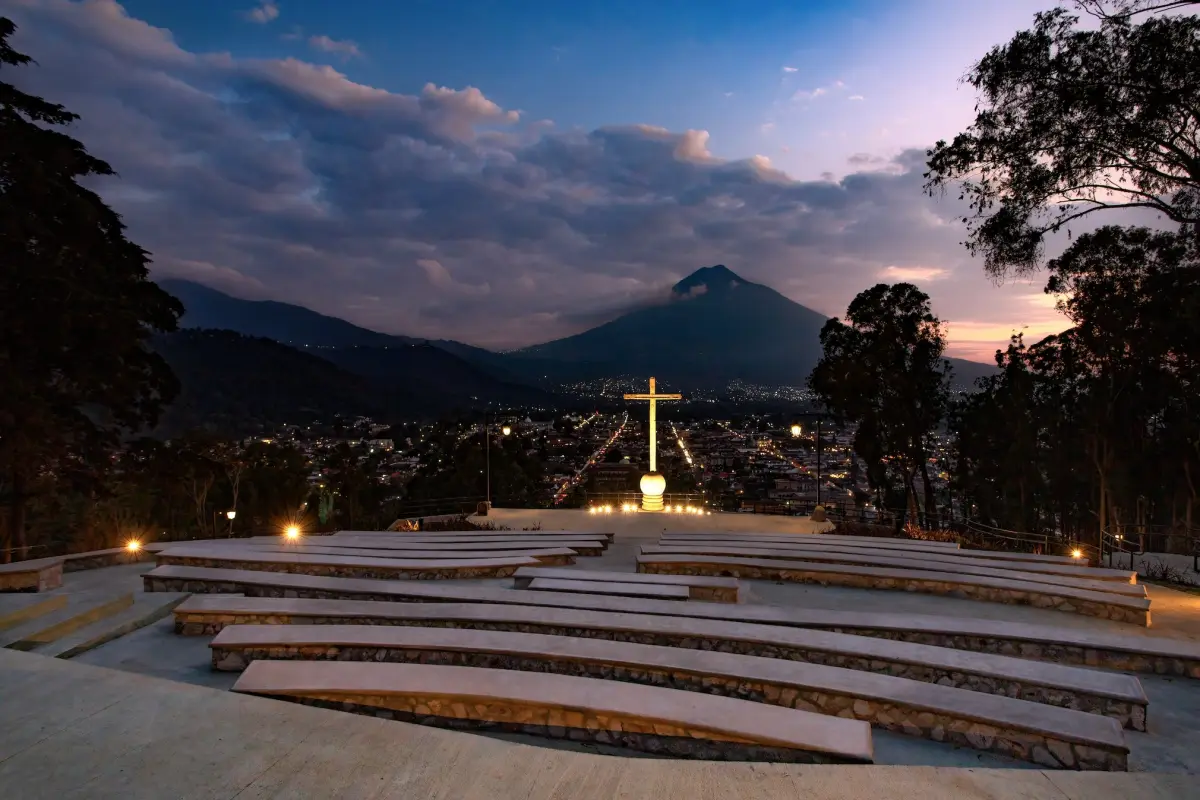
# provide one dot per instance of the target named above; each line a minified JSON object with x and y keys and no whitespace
{"x":554,"y":723}
{"x":1130,"y":715}
{"x":40,"y":580}
{"x":992,"y":594}
{"x":381,"y":570}
{"x":1040,"y":651}
{"x":1022,"y":744}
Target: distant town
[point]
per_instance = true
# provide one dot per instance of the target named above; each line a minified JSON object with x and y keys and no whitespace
{"x":769,"y":463}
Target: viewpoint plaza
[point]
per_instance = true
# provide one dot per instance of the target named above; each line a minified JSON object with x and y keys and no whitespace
{"x":635,"y":653}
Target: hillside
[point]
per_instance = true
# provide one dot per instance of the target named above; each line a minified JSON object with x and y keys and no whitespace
{"x":239,"y":384}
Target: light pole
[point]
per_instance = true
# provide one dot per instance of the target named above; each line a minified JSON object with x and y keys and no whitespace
{"x":796,"y":430}
{"x":231,"y":514}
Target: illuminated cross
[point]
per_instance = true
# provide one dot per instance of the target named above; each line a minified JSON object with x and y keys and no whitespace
{"x":653,"y":398}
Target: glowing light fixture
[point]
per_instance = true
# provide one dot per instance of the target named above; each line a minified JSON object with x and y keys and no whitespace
{"x":291,"y":533}
{"x":230,"y":514}
{"x":1076,"y":553}
{"x":506,"y":430}
{"x":133,"y":546}
{"x":796,"y":430}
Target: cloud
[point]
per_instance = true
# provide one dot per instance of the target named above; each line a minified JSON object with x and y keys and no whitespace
{"x":806,"y":94}
{"x":855,"y":97}
{"x":286,"y":179}
{"x":865,"y":159}
{"x":263,"y":13}
{"x":344,"y":48}
{"x":441,"y":278}
{"x":894,"y":273}
{"x":790,"y":69}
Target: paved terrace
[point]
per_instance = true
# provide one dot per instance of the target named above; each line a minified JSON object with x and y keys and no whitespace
{"x":69,"y":730}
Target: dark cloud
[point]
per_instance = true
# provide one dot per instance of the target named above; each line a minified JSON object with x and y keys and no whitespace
{"x":443,"y":214}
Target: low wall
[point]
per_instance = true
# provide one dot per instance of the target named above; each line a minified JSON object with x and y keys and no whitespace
{"x":1022,"y":744}
{"x":783,"y":571}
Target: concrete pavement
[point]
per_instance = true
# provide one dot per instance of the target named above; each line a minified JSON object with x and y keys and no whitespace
{"x":72,"y":730}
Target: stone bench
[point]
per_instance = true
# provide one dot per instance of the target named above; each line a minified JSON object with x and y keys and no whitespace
{"x":649,"y":718}
{"x":1046,"y":735}
{"x":876,"y":542}
{"x":472,"y":536}
{"x":553,"y":556}
{"x":1113,"y":695}
{"x":1133,"y":650}
{"x":1020,"y":561}
{"x":1106,"y":605}
{"x":867,"y":543}
{"x":654,"y":591}
{"x":583,"y":547}
{"x":33,"y":575}
{"x":97,"y":559}
{"x":344,"y":566}
{"x":717,"y":590}
{"x":1106,"y":580}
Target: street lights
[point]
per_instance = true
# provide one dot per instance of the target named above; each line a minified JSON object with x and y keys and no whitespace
{"x":230,"y":515}
{"x":796,"y":432}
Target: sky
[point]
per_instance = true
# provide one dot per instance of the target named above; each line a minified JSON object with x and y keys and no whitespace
{"x":506,"y":172}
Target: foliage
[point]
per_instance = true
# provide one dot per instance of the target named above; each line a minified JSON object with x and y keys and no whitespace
{"x":883,"y":370}
{"x":76,"y":308}
{"x":1100,"y":425}
{"x":1075,"y":121}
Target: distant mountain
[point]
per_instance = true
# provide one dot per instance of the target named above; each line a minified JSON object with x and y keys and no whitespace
{"x":242,"y":384}
{"x":238,"y":384}
{"x":716,"y":327}
{"x":205,"y":307}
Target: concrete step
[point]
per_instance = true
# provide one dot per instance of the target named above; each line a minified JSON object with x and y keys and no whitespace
{"x":20,"y":609}
{"x":81,"y":610}
{"x":146,"y":610}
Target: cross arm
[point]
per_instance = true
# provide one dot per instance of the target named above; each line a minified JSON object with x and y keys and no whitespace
{"x":653,"y":397}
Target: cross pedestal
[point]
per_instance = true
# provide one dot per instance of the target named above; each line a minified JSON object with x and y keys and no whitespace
{"x":653,"y":484}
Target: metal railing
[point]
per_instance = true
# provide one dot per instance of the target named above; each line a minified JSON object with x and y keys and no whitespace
{"x":619,"y":499}
{"x":1138,"y":540}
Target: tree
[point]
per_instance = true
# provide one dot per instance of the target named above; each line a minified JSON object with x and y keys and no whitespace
{"x":883,"y":370}
{"x":1074,"y":121}
{"x":76,"y":305}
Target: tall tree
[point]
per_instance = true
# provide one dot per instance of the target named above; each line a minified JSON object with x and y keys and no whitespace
{"x":883,"y":369}
{"x":76,"y":305}
{"x":1073,"y":121}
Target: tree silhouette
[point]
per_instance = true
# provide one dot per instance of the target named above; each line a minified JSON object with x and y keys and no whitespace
{"x":1077,"y":121}
{"x":883,"y":370}
{"x":76,"y":305}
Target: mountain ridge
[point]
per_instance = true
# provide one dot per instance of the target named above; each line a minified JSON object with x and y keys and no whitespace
{"x":715,"y":327}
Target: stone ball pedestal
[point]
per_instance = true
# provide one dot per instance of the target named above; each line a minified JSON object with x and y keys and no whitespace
{"x":818,"y":514}
{"x":653,"y":484}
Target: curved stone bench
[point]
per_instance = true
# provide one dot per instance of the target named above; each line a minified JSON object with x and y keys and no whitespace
{"x":649,"y":718}
{"x":870,"y":543}
{"x":33,"y":575}
{"x":584,"y":547}
{"x":1054,"y":737}
{"x":1133,"y":649}
{"x":551,"y":556}
{"x":346,"y":566}
{"x":1068,"y":599}
{"x":470,"y":536}
{"x":717,"y":590}
{"x":653,"y":591}
{"x":1108,"y":580}
{"x":1118,"y":696}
